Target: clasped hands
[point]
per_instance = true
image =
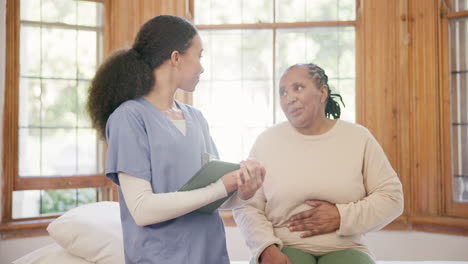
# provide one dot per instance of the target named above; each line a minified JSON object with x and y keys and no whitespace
{"x":247,"y":180}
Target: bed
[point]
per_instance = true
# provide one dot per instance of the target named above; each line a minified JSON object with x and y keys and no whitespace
{"x":89,"y":233}
{"x":92,"y":233}
{"x":55,"y":254}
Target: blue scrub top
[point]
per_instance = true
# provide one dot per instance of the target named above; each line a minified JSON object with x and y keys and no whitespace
{"x":145,"y":143}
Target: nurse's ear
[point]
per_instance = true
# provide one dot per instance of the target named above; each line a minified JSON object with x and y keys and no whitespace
{"x":175,"y":58}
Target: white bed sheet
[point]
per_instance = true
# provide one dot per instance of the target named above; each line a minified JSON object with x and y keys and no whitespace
{"x":55,"y":254}
{"x":50,"y":254}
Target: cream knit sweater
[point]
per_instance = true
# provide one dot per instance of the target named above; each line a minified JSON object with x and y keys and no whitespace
{"x":345,"y":166}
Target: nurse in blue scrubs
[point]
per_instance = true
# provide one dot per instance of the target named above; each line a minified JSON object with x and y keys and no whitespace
{"x":156,"y":144}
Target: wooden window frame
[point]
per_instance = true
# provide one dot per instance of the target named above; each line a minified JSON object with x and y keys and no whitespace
{"x":13,"y":228}
{"x":452,"y":208}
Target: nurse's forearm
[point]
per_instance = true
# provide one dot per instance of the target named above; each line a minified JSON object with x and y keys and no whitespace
{"x":148,"y":208}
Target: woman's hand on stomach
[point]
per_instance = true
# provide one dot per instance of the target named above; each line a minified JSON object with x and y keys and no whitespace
{"x":322,"y":218}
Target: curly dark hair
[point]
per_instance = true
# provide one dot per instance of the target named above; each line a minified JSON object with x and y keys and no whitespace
{"x":332,"y":108}
{"x":128,"y":74}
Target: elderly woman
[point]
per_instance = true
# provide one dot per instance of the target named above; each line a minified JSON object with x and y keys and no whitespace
{"x":328,"y":181}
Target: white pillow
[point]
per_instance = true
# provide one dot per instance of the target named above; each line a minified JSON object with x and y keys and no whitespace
{"x":92,"y":232}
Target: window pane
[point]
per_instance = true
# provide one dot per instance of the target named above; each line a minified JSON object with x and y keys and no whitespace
{"x":203,"y":97}
{"x":59,"y":53}
{"x":291,"y":10}
{"x":233,"y":12}
{"x":236,"y":103}
{"x":26,"y":204}
{"x":59,"y":103}
{"x":30,"y":55}
{"x":332,"y":48}
{"x":234,"y":143}
{"x":249,"y":53}
{"x":87,"y":195}
{"x":30,"y":10}
{"x":246,"y":81}
{"x":206,"y":59}
{"x":258,"y":11}
{"x":35,"y":203}
{"x":89,"y":13}
{"x":257,"y":54}
{"x":317,"y":10}
{"x":226,"y":12}
{"x":257,"y":103}
{"x":87,"y":152}
{"x":88,"y":56}
{"x":228,"y":141}
{"x":83,"y":116}
{"x":59,"y":152}
{"x":227,"y":49}
{"x":29,"y":152}
{"x":59,"y":11}
{"x":279,"y":114}
{"x":202,"y":10}
{"x":460,"y":5}
{"x":224,"y":108}
{"x":347,"y":52}
{"x":252,"y":101}
{"x":30,"y":102}
{"x":347,"y":89}
{"x":346,"y":10}
{"x":460,"y":189}
{"x":458,"y":33}
{"x":57,"y":201}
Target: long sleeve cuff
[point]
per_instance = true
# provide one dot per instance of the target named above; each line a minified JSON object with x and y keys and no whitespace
{"x":264,"y":246}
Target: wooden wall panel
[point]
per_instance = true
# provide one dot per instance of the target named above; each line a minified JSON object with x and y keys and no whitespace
{"x":403,"y":99}
{"x":402,"y":92}
{"x":424,"y":112}
{"x":382,"y":80}
{"x":377,"y":95}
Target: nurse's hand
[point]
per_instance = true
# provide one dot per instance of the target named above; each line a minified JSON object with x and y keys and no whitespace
{"x":252,"y":176}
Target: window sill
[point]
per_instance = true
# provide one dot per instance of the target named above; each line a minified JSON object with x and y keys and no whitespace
{"x":23,"y":229}
{"x":432,"y":224}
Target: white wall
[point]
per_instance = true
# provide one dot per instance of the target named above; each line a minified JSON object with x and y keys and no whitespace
{"x":12,"y":249}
